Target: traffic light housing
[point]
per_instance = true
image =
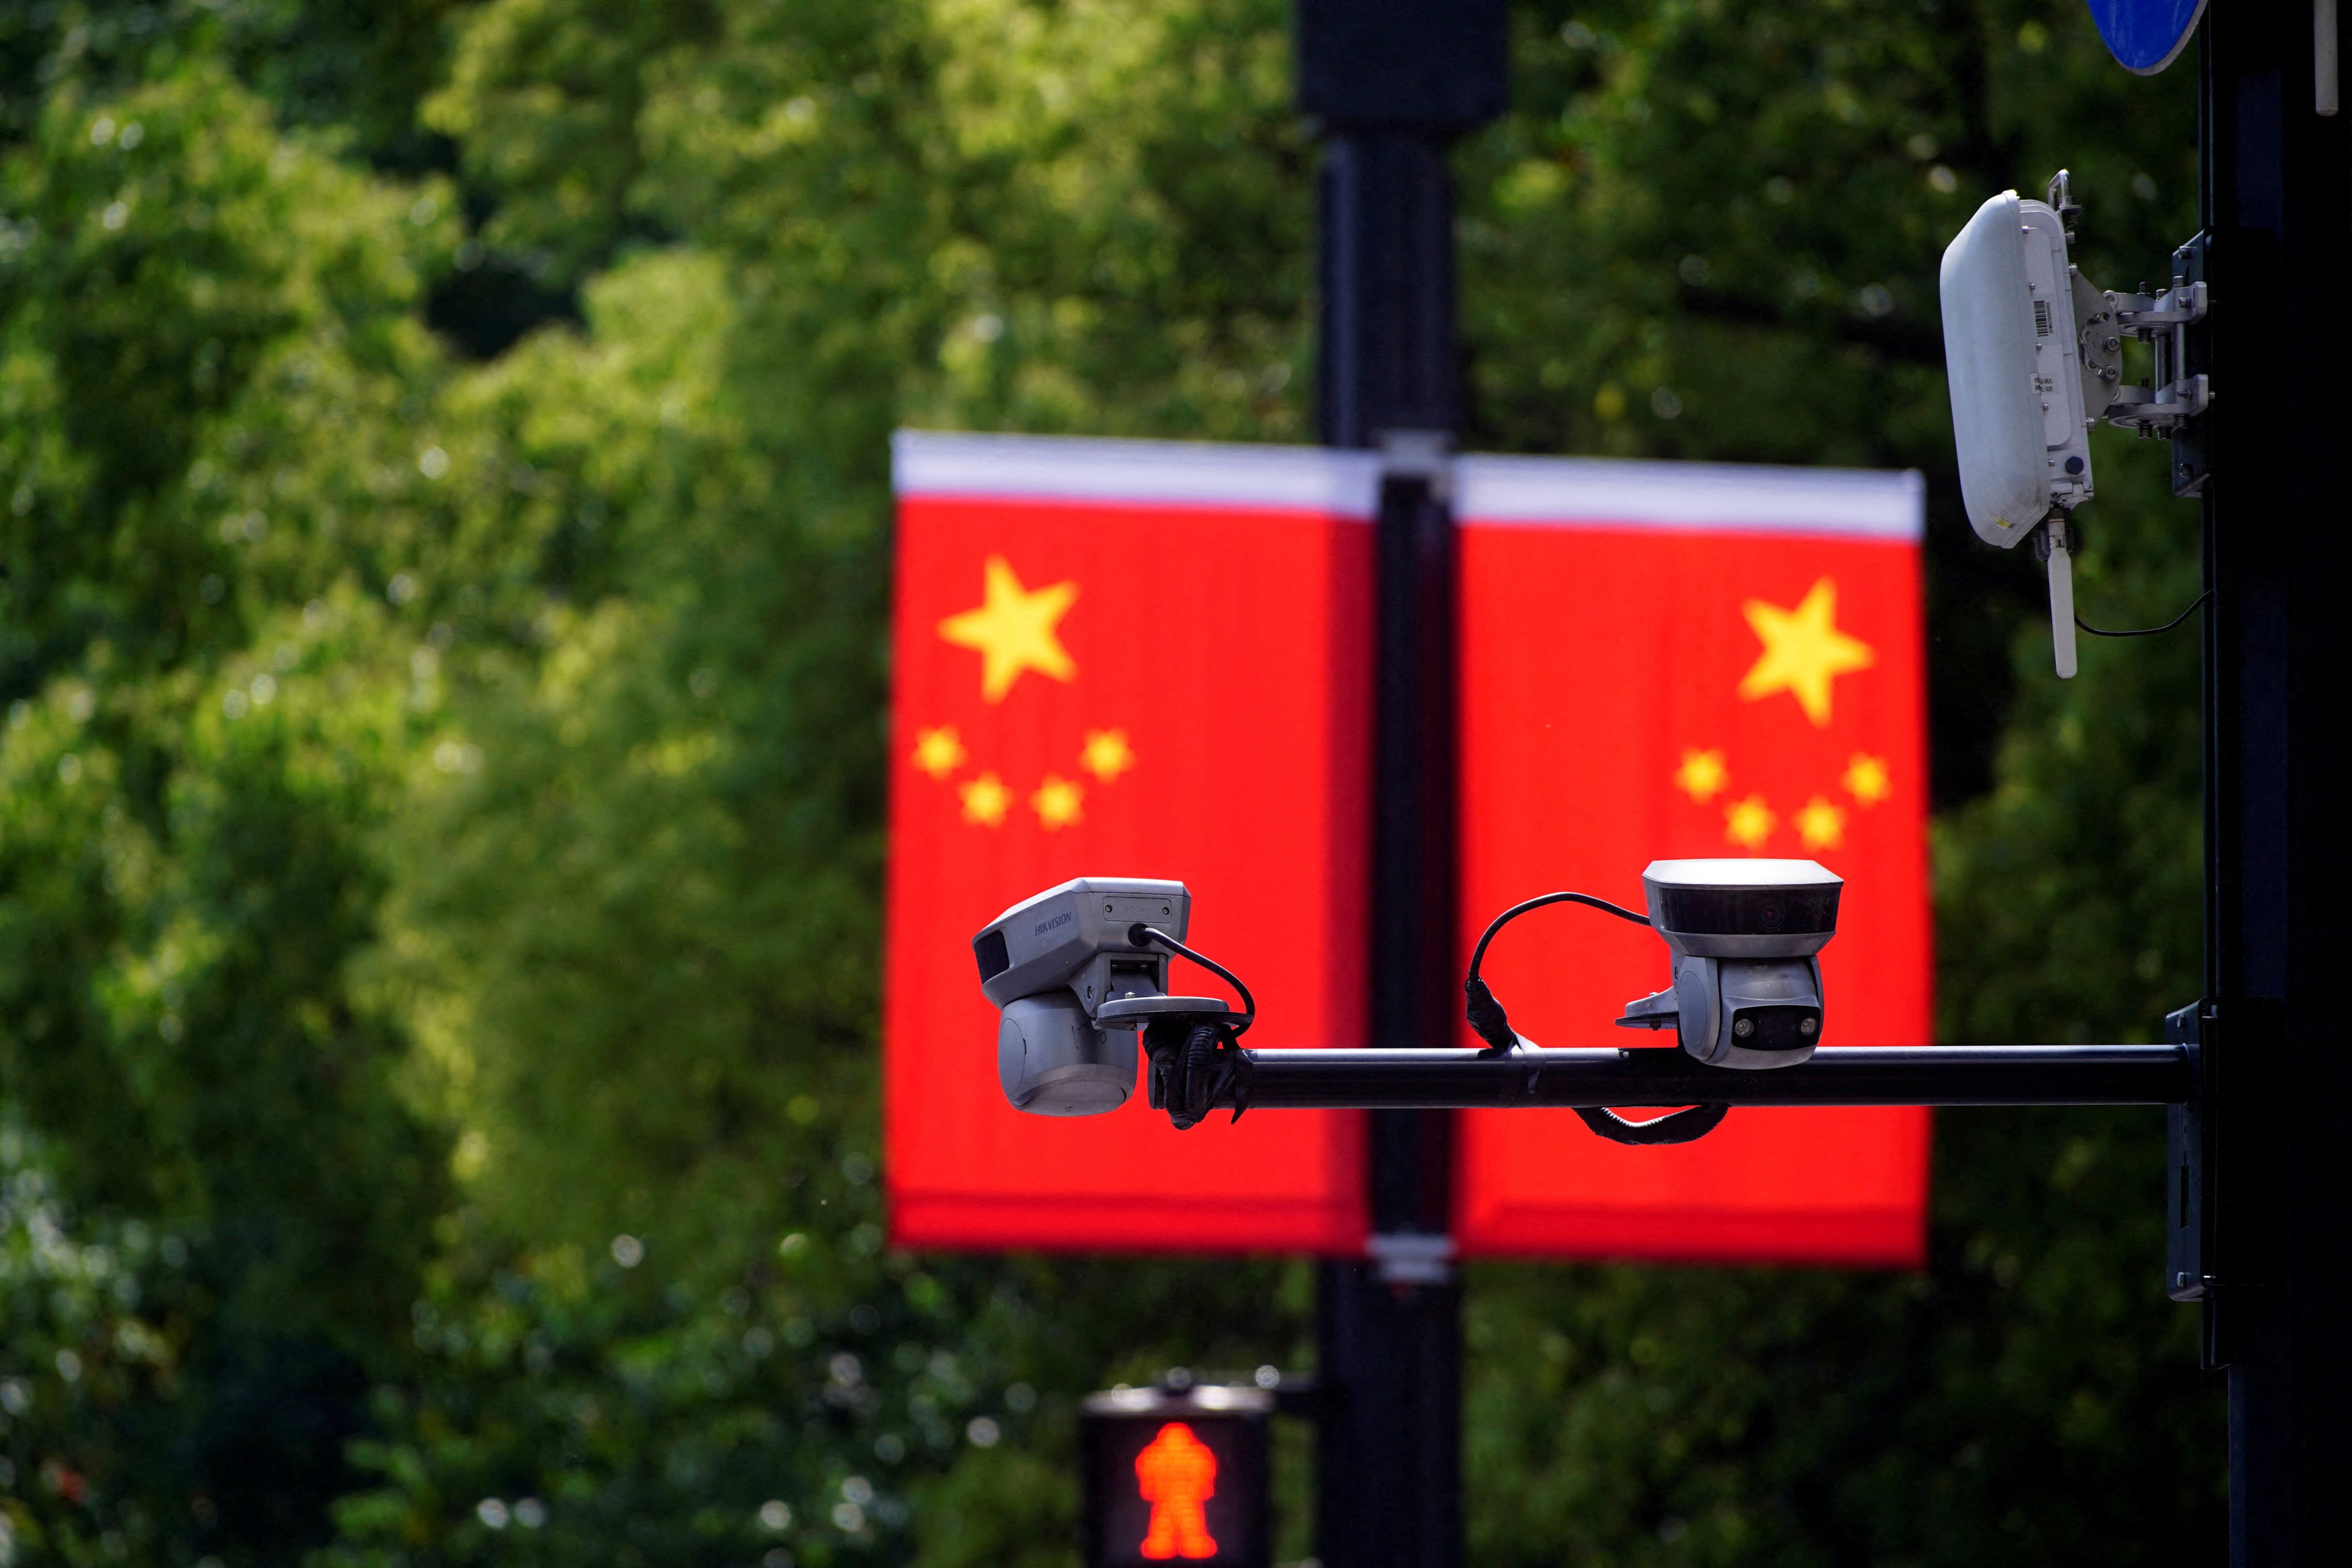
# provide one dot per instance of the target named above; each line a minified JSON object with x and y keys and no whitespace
{"x":1176,"y":1477}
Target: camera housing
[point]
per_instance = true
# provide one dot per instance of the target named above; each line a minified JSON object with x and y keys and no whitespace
{"x":1747,"y":989}
{"x":1050,"y":963}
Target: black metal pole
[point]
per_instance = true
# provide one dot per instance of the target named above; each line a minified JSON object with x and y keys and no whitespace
{"x":1393,"y":82}
{"x":1665,"y":1075}
{"x":2278,"y":212}
{"x":1389,"y":1470}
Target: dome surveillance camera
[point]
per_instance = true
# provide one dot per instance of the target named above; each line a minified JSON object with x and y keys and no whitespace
{"x":1050,"y":963}
{"x":1747,"y":989}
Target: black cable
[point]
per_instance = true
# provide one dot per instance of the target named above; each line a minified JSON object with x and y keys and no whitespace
{"x":1484,"y":1013}
{"x":1191,"y":1075}
{"x":1494,"y":1026}
{"x":2194,"y":606}
{"x":1138,"y":933}
{"x":1685,"y":1126}
{"x":1478,"y":954}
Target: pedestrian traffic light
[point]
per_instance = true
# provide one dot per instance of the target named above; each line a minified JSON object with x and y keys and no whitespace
{"x":1176,"y":1476}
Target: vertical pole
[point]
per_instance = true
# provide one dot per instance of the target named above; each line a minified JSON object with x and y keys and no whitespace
{"x":1393,"y":83}
{"x":2278,"y":211}
{"x":1390,"y":1326}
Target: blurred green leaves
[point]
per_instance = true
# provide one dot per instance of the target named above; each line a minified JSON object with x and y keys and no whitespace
{"x":95,"y":1322}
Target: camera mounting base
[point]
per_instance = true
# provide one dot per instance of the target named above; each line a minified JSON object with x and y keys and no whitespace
{"x":1138,"y":1012}
{"x":1197,"y":1062}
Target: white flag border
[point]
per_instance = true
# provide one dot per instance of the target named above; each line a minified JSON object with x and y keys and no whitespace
{"x":1744,"y":497}
{"x":1508,"y":492}
{"x":1170,"y":473}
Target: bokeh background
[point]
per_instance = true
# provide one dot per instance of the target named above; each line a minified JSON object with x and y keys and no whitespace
{"x":443,"y":497}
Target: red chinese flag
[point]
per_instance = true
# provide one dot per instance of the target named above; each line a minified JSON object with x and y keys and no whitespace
{"x":1668,"y":660}
{"x":1126,"y":659}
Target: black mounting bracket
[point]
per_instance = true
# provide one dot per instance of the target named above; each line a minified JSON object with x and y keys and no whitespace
{"x":2192,"y":442}
{"x":2214,"y":1206}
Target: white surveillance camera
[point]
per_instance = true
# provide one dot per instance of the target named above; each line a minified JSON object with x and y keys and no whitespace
{"x":1050,"y":963}
{"x":1747,"y":989}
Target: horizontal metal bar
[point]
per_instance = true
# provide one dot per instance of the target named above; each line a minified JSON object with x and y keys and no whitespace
{"x":1656,"y":1075}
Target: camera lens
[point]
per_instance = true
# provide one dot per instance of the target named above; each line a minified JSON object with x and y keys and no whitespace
{"x":1777,"y":1026}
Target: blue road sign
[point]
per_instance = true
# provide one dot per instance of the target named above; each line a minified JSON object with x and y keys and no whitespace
{"x":2145,"y":35}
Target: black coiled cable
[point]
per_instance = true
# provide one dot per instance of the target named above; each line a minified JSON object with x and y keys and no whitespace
{"x":1493,"y":1024}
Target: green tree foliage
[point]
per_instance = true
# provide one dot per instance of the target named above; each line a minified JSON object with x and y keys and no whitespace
{"x":96,"y":1323}
{"x":444,"y":456}
{"x":209,"y":357}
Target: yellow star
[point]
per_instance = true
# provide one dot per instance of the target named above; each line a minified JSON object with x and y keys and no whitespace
{"x":1014,"y":630}
{"x":1866,"y":779}
{"x":1107,"y":754}
{"x":1057,"y":802}
{"x":1748,"y":823}
{"x":1820,"y":825}
{"x":1803,"y":651}
{"x":1701,"y":773}
{"x":985,"y":800}
{"x":940,"y":752}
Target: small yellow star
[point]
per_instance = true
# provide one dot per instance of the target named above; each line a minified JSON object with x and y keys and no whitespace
{"x":1803,"y":651}
{"x":940,"y":752}
{"x":1820,"y":825}
{"x":985,"y":800}
{"x":1748,"y":823}
{"x":1057,"y":802}
{"x":1701,"y":773}
{"x":1866,"y":779}
{"x":1107,"y":754}
{"x":1014,"y":630}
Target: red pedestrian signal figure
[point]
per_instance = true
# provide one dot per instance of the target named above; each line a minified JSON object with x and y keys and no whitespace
{"x":1177,"y":1474}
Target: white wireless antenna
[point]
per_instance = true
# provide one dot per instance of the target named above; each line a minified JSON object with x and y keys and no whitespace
{"x":2035,"y":355}
{"x":2053,"y":543}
